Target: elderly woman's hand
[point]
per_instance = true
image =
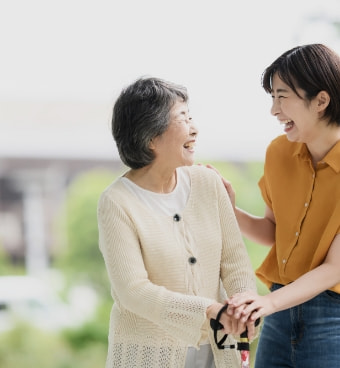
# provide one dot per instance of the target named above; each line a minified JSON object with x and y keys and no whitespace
{"x":231,"y":325}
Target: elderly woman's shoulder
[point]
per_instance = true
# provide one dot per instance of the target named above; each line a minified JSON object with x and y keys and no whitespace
{"x":113,"y":191}
{"x":201,"y":171}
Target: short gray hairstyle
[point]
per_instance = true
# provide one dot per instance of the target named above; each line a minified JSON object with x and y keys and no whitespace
{"x":141,"y":113}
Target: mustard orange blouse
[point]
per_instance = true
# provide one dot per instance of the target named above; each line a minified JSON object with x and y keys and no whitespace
{"x":306,"y":205}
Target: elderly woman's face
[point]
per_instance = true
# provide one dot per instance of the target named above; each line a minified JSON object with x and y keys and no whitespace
{"x":176,"y":145}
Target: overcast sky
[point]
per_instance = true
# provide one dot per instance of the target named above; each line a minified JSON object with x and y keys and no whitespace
{"x":87,"y":50}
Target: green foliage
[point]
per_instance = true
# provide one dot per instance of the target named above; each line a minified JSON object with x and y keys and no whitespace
{"x":86,"y":335}
{"x":26,"y":347}
{"x":244,"y":177}
{"x":81,"y":347}
{"x":81,"y":259}
{"x":7,"y":267}
{"x":92,"y":332}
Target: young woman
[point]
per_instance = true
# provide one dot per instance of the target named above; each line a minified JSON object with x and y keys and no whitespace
{"x":301,"y":189}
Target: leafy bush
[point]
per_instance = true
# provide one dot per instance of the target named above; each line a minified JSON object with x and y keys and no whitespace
{"x":92,"y":332}
{"x":26,"y":347}
{"x":80,"y":258}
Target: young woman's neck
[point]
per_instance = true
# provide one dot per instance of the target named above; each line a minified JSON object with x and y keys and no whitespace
{"x":325,"y":141}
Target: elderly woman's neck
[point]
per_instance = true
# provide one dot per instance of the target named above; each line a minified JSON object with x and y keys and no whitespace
{"x":153,"y":180}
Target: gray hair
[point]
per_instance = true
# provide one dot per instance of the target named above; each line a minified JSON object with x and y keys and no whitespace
{"x":141,"y":113}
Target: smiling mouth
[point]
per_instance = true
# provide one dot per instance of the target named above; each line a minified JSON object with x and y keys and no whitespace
{"x":189,"y":145}
{"x":287,"y":123}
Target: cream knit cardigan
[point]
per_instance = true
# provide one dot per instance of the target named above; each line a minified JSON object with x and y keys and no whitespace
{"x":160,"y":297}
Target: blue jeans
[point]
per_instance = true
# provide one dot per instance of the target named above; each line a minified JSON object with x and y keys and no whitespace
{"x":304,"y":336}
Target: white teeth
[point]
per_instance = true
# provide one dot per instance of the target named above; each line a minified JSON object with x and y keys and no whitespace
{"x":285,"y":121}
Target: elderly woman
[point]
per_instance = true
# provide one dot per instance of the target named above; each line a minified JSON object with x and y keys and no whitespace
{"x":169,"y":237}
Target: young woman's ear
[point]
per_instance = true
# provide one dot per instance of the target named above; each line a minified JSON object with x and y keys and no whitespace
{"x":323,"y":100}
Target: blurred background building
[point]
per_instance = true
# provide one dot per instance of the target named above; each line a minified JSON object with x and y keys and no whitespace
{"x":41,"y":153}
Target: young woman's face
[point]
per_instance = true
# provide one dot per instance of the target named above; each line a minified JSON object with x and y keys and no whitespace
{"x":176,"y":146}
{"x":299,"y":117}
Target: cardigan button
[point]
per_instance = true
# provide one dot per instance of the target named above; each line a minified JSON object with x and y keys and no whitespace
{"x":192,"y":260}
{"x":177,"y":217}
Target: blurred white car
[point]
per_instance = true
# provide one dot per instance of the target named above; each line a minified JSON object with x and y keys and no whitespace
{"x":34,"y":301}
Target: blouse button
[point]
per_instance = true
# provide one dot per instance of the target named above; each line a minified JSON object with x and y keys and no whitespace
{"x":177,"y":217}
{"x":192,"y":260}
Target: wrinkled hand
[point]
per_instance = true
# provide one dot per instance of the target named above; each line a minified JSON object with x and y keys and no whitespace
{"x":251,"y":330}
{"x":231,"y":325}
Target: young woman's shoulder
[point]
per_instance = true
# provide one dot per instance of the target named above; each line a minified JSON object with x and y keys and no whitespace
{"x":282,"y":144}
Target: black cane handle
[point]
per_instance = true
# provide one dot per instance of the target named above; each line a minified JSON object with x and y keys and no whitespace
{"x":216,"y":325}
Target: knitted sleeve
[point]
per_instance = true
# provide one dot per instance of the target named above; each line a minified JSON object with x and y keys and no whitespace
{"x":182,"y":316}
{"x":236,"y":270}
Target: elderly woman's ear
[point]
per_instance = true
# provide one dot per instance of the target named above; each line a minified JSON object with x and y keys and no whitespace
{"x":151,"y":144}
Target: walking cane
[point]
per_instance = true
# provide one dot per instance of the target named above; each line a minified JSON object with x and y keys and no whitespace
{"x":243,"y":345}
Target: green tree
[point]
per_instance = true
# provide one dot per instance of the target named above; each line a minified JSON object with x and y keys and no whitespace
{"x":80,"y":257}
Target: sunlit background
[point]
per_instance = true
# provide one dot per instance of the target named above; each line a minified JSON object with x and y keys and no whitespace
{"x":62,"y":64}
